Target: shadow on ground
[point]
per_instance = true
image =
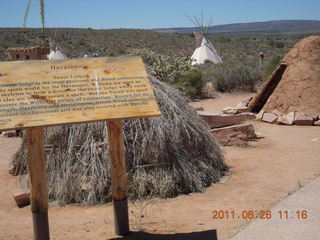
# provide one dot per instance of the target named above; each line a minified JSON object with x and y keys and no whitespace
{"x":205,"y":235}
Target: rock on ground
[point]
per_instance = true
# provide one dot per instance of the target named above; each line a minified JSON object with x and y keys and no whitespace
{"x":269,"y":118}
{"x":286,"y":119}
{"x":234,"y":135}
{"x":218,"y":119}
{"x":301,"y":118}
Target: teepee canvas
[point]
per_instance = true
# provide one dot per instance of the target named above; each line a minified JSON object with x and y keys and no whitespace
{"x":56,"y":52}
{"x":204,"y":49}
{"x":205,"y":52}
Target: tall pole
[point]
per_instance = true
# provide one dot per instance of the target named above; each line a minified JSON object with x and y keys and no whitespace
{"x":118,"y":177}
{"x":38,"y":183}
{"x":43,"y":20}
{"x":261,"y":56}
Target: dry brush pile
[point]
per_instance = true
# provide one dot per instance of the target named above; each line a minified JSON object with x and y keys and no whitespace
{"x":166,"y":156}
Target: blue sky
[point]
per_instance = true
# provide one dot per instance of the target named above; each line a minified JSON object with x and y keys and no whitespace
{"x":104,"y":14}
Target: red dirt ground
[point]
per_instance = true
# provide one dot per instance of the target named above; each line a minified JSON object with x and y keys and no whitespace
{"x":260,"y":176}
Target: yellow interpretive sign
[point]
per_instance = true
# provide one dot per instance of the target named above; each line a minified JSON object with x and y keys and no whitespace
{"x":52,"y":92}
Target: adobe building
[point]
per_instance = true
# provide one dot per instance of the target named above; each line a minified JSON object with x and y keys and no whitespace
{"x":26,"y":53}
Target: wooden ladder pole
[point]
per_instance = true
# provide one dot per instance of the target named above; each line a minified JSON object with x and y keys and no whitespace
{"x":118,"y":177}
{"x":38,"y":183}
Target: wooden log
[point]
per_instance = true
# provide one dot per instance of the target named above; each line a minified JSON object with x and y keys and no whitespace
{"x":265,"y":91}
{"x":22,"y":199}
{"x":118,"y":176}
{"x":38,"y":183}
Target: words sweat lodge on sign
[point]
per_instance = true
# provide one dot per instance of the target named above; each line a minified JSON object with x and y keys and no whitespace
{"x":45,"y":93}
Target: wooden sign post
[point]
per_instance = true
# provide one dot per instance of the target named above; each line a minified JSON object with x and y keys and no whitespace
{"x":36,"y":94}
{"x":118,"y":177}
{"x":38,"y":183}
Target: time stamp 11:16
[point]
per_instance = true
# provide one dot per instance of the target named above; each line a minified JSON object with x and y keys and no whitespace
{"x":260,"y":214}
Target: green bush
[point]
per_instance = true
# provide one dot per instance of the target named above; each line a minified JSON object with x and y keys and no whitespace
{"x":279,"y":45}
{"x":191,"y":82}
{"x":233,"y":76}
{"x":175,"y":70}
{"x":165,"y":68}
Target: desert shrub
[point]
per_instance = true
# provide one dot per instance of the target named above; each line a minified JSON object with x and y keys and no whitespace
{"x":168,"y":44}
{"x":81,"y":43}
{"x":165,"y":68}
{"x":232,"y":76}
{"x":172,"y":69}
{"x":271,"y":43}
{"x":279,"y":44}
{"x":191,"y":82}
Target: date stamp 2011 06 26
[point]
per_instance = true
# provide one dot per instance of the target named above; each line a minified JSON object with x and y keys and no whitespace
{"x":299,"y":214}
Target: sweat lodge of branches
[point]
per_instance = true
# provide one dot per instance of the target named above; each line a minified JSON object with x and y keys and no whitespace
{"x":166,"y":156}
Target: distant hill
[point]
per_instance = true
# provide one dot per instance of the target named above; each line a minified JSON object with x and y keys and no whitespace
{"x":274,"y":26}
{"x":115,"y":42}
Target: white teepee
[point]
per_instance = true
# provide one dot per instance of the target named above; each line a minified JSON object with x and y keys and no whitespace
{"x":56,"y":52}
{"x":205,"y":52}
{"x":204,"y":48}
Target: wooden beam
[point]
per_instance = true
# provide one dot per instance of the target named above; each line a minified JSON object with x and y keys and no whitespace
{"x":265,"y":91}
{"x":38,"y":183}
{"x":22,"y":199}
{"x":118,"y":176}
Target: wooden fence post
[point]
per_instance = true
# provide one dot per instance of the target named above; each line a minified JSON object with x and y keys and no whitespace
{"x":38,"y":183}
{"x":118,"y":177}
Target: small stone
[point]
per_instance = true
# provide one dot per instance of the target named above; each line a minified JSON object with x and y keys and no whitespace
{"x":244,"y":103}
{"x":269,"y":118}
{"x":313,"y":114}
{"x":259,"y":115}
{"x":286,"y":119}
{"x":315,"y":117}
{"x":11,"y":134}
{"x":301,"y":118}
{"x":199,"y":109}
{"x":235,"y":110}
{"x":208,"y":90}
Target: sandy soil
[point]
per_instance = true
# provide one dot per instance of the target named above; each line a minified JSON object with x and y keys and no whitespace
{"x":260,"y":176}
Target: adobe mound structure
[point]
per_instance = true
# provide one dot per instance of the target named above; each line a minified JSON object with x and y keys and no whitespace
{"x":299,"y":88}
{"x":166,"y":156}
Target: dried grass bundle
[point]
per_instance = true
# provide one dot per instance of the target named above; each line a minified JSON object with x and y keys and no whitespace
{"x":166,"y":156}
